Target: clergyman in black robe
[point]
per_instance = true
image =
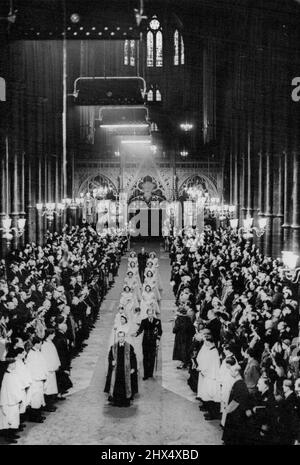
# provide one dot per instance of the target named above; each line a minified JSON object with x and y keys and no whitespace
{"x":121,"y":381}
{"x":184,"y":331}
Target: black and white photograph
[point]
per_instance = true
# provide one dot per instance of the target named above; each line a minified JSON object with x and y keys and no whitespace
{"x":149,"y":225}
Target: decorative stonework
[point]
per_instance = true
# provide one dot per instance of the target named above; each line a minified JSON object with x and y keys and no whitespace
{"x":161,"y":173}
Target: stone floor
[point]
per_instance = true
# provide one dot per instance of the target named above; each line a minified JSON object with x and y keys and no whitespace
{"x":164,"y":413}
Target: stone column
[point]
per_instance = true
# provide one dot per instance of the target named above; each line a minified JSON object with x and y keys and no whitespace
{"x":286,"y":202}
{"x":3,"y":203}
{"x":242,"y":189}
{"x":39,"y":222}
{"x":269,"y":203}
{"x":278,"y":205}
{"x":249,"y":178}
{"x":296,"y":204}
{"x":22,"y":212}
{"x":15,"y":200}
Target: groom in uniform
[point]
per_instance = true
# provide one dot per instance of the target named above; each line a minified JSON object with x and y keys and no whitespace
{"x":151,"y":327}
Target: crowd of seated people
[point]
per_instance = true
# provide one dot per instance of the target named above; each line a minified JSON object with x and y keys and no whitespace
{"x":49,"y":300}
{"x":236,"y":332}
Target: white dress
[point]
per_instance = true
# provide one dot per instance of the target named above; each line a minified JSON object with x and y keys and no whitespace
{"x":129,"y":301}
{"x":149,"y":301}
{"x":136,"y":341}
{"x":208,"y":382}
{"x":152,"y":282}
{"x":226,"y":383}
{"x":50,"y":354}
{"x":11,"y":397}
{"x":24,"y":375}
{"x":38,"y":370}
{"x":134,"y":285}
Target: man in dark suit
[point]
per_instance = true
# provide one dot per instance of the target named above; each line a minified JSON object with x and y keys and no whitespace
{"x":287,"y":422}
{"x":151,"y":327}
{"x":61,"y":343}
{"x":142,"y":261}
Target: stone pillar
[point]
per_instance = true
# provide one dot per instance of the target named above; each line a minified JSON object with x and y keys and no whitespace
{"x":242,"y":189}
{"x":22,"y":213}
{"x":39,"y":220}
{"x":249,"y":178}
{"x":278,"y":205}
{"x":269,"y":203}
{"x":31,"y":209}
{"x":15,"y":201}
{"x":296,"y":204}
{"x":3,"y":204}
{"x":286,"y":202}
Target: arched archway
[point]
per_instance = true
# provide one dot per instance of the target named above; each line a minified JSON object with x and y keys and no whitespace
{"x":95,"y":182}
{"x":148,"y":189}
{"x":201,"y":180}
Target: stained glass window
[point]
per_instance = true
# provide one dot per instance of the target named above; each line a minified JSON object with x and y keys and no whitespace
{"x":158,"y":95}
{"x":159,"y":49}
{"x":182,"y":51}
{"x":176,"y":48}
{"x":132,"y":53}
{"x":154,"y":43}
{"x":150,"y":49}
{"x":150,"y":95}
{"x":126,"y":52}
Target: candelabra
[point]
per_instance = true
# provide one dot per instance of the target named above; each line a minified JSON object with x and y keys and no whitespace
{"x":50,"y":209}
{"x":220,"y":211}
{"x":8,"y":230}
{"x":248,"y":230}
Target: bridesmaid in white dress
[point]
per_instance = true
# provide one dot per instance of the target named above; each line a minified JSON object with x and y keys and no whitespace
{"x":132,"y":282}
{"x":134,"y":268}
{"x":128,"y":300}
{"x":132,"y":257}
{"x":151,"y":280}
{"x":154,"y":259}
{"x":149,"y":301}
{"x":136,"y":342}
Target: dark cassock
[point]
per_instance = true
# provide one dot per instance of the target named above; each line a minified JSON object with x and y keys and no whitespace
{"x":151,"y":327}
{"x":142,"y":261}
{"x":121,"y":381}
{"x":184,"y":331}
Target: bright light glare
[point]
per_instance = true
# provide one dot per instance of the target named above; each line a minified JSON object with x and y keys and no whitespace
{"x":115,"y":126}
{"x":136,"y":141}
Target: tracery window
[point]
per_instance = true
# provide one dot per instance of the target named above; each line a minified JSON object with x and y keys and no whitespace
{"x":176,"y":48}
{"x":154,"y":44}
{"x":150,"y":49}
{"x":182,"y":56}
{"x":129,"y":52}
{"x":179,"y":57}
{"x":126,"y":52}
{"x":154,"y":94}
